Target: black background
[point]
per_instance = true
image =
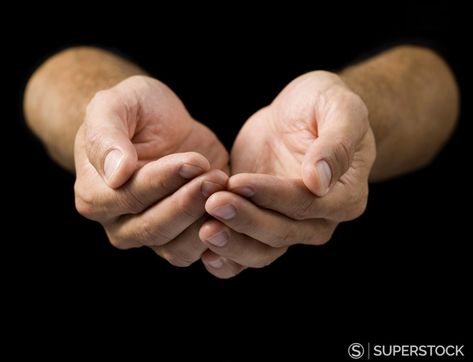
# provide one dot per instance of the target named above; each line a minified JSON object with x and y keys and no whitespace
{"x":399,"y":274}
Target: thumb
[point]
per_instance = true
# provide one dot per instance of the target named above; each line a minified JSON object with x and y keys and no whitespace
{"x":108,"y":145}
{"x":341,"y":125}
{"x":326,"y":160}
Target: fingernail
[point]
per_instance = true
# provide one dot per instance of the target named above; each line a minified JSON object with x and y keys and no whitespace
{"x":190,"y":171}
{"x":244,"y":191}
{"x":112,"y":162}
{"x":219,"y":239}
{"x":208,"y":188}
{"x":226,"y":212}
{"x":216,"y":263}
{"x":325,"y":176}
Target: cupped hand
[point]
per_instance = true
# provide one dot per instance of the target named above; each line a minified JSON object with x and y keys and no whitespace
{"x":145,"y":169}
{"x":300,"y":166}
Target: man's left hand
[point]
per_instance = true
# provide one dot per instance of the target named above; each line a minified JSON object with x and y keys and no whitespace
{"x":300,"y":166}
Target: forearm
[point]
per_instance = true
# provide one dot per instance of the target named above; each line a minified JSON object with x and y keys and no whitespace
{"x":413,"y":104}
{"x":58,"y":92}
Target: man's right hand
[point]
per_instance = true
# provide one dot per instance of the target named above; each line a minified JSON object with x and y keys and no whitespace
{"x":145,"y":169}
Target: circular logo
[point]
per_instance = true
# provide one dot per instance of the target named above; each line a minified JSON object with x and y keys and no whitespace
{"x":356,"y":350}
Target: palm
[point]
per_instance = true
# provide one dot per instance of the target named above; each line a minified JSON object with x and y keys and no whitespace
{"x":276,"y":139}
{"x":267,"y":145}
{"x":158,"y":139}
{"x":163,"y":126}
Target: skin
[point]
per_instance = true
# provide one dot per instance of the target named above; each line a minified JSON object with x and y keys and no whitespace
{"x":144,"y":168}
{"x":145,"y":175}
{"x":285,"y":197}
{"x":152,"y":175}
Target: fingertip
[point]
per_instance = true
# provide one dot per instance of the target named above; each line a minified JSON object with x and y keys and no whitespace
{"x":212,"y":182}
{"x":111,"y":153}
{"x":219,"y":177}
{"x":222,"y":199}
{"x":219,"y":266}
{"x":246,"y":191}
{"x":112,"y":162}
{"x":189,"y":171}
{"x":209,"y":228}
{"x":315,"y":176}
{"x":241,"y":179}
{"x":198,"y":159}
{"x":212,"y":200}
{"x":240,"y":184}
{"x":212,"y":260}
{"x":222,"y":175}
{"x":119,"y":166}
{"x":324,"y":175}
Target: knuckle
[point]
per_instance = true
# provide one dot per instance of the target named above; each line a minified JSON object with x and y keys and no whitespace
{"x":326,"y":235}
{"x":359,"y":209}
{"x":131,"y":202}
{"x":359,"y":204}
{"x":225,"y":274}
{"x":118,"y":242}
{"x":94,"y":205}
{"x":304,"y":209}
{"x":95,"y":143}
{"x":86,"y":205}
{"x":343,"y":152}
{"x":151,"y":234}
{"x":321,"y":237}
{"x":100,"y":97}
{"x":139,"y":82}
{"x":94,"y":139}
{"x":180,"y":263}
{"x":269,"y":201}
{"x":288,"y":237}
{"x":177,"y":260}
{"x":188,"y":207}
{"x":159,"y":182}
{"x":94,"y":132}
{"x":258,"y":263}
{"x":84,"y":208}
{"x":243,"y":223}
{"x":262,"y":262}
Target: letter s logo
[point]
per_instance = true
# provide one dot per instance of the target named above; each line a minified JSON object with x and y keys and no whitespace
{"x":356,"y":350}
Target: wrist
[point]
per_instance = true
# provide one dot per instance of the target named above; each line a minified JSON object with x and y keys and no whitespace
{"x":59,"y":90}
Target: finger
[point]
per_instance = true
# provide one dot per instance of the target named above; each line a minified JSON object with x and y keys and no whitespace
{"x":108,"y":130}
{"x":160,"y":178}
{"x":267,"y":226}
{"x":342,"y":120}
{"x":293,"y":199}
{"x":167,"y":219}
{"x":219,"y":266}
{"x":150,"y":184}
{"x":240,"y":248}
{"x":185,"y":249}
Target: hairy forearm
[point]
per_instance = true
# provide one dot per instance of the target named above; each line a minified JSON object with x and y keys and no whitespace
{"x":58,"y":92}
{"x":413,"y":104}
